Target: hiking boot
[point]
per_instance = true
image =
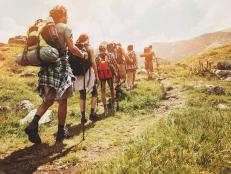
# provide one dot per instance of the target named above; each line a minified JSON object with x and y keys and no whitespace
{"x":94,"y":117}
{"x":32,"y":132}
{"x":83,"y":120}
{"x":61,"y":135}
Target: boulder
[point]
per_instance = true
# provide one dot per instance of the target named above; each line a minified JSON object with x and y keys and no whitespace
{"x":221,"y":73}
{"x":46,"y":118}
{"x":217,"y":90}
{"x":24,"y":105}
{"x":2,"y":44}
{"x":222,"y":106}
{"x":228,"y":79}
{"x":17,"y":40}
{"x":225,"y":65}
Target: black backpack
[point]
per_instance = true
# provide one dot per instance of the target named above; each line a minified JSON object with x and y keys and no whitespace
{"x":79,"y":65}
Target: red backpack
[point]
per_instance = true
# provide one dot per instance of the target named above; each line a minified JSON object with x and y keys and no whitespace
{"x":104,"y":71}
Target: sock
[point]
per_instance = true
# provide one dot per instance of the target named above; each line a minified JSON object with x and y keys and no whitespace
{"x":60,"y":127}
{"x":36,"y":119}
{"x":92,"y":110}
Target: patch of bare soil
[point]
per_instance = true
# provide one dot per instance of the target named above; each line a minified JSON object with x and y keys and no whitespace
{"x":173,"y":98}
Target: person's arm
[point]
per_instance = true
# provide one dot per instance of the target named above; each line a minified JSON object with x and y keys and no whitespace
{"x":73,"y":49}
{"x":92,"y":58}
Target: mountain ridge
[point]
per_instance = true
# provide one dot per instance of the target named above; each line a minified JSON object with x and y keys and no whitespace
{"x":174,"y":51}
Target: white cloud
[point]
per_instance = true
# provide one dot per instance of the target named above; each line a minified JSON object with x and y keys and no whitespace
{"x":126,"y":21}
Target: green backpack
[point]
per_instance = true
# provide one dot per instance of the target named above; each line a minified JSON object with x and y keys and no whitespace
{"x":42,"y":44}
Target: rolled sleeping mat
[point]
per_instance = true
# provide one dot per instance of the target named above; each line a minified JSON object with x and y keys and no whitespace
{"x":47,"y":55}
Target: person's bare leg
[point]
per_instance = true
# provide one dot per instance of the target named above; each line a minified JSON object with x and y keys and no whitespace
{"x":62,"y":111}
{"x":44,"y":107}
{"x":32,"y":129}
{"x":103,"y":95}
{"x":93,"y":102}
{"x":111,"y":86}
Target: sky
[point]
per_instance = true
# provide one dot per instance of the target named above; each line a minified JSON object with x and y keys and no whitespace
{"x":138,"y":22}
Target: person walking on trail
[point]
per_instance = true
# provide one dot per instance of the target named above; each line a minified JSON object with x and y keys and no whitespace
{"x":105,"y":65}
{"x":131,"y":67}
{"x":56,"y":79}
{"x":120,"y":59}
{"x":111,"y":49}
{"x":86,"y":77}
{"x":149,"y":59}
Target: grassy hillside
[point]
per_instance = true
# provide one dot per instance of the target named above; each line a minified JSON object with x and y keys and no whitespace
{"x":147,"y":135}
{"x":174,"y":51}
{"x":214,"y":55}
{"x":195,"y":139}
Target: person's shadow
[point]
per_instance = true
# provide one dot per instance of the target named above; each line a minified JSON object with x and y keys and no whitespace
{"x":27,"y":160}
{"x":75,"y":130}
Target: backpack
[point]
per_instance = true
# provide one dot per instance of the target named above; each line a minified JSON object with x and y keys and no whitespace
{"x":104,"y":71}
{"x":119,"y":56}
{"x":79,"y":65}
{"x":132,"y":56}
{"x":42,"y":44}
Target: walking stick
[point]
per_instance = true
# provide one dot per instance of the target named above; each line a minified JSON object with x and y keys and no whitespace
{"x":83,"y":127}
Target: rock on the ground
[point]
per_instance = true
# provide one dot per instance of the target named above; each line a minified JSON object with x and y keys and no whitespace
{"x":228,"y":79}
{"x":17,"y":40}
{"x":222,"y":106}
{"x":225,"y":65}
{"x":45,"y":118}
{"x":221,"y":73}
{"x":24,"y":105}
{"x":4,"y":109}
{"x":217,"y":90}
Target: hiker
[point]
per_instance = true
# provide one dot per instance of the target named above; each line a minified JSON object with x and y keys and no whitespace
{"x":86,"y":77}
{"x":111,"y":49}
{"x":56,"y":79}
{"x":149,"y":59}
{"x":120,"y":59}
{"x":131,"y":67}
{"x":105,"y":66}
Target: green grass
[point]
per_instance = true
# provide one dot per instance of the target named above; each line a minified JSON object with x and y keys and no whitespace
{"x":195,"y":140}
{"x":214,"y":55}
{"x":110,"y":134}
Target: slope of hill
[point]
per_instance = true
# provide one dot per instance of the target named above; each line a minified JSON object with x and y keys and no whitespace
{"x":213,"y":55}
{"x":177,"y":50}
{"x":179,"y":130}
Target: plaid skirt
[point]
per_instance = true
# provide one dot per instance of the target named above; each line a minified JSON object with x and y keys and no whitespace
{"x":57,"y":76}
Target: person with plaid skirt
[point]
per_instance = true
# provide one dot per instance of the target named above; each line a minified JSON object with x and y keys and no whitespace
{"x":56,"y":79}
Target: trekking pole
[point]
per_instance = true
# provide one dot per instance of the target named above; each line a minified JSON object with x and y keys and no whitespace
{"x":97,"y":103}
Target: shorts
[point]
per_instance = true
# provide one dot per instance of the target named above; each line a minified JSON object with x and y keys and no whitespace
{"x":50,"y":93}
